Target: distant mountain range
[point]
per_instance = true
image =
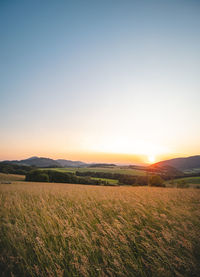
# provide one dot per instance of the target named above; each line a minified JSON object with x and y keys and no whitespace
{"x":46,"y":162}
{"x":188,"y":163}
{"x":182,"y":164}
{"x":68,"y":163}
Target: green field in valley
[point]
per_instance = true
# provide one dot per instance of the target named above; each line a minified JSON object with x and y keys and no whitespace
{"x":189,"y":181}
{"x":115,"y":169}
{"x":110,"y":181}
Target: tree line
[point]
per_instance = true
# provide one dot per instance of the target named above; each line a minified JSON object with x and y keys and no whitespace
{"x":54,"y":176}
{"x":11,"y":168}
{"x":123,"y":179}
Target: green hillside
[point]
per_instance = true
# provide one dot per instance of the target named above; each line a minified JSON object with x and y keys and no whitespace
{"x":115,"y":169}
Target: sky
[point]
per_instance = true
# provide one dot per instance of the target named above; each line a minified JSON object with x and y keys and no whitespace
{"x":100,"y":80}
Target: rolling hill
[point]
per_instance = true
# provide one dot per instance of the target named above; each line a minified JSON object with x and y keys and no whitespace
{"x":46,"y":162}
{"x":37,"y":162}
{"x":68,"y":163}
{"x":182,"y":163}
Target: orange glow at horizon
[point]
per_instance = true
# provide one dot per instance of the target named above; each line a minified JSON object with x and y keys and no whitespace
{"x":103,"y":150}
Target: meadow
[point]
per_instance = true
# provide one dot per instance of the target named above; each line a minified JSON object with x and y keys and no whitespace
{"x":186,"y":181}
{"x":109,"y":181}
{"x":11,"y":177}
{"x":78,"y":230}
{"x":190,"y":180}
{"x":114,"y":169}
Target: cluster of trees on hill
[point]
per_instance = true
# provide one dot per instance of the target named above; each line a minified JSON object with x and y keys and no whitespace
{"x":122,"y":178}
{"x":107,"y":175}
{"x":54,"y":176}
{"x":133,"y":180}
{"x":125,"y":179}
{"x":156,"y":181}
{"x":102,"y":165}
{"x":9,"y":168}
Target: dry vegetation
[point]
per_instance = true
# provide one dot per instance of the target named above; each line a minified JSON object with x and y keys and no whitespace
{"x":11,"y":177}
{"x":74,"y":230}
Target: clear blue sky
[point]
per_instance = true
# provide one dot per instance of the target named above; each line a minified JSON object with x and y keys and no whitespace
{"x":78,"y":78}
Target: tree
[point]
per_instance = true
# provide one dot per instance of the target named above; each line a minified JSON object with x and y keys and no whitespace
{"x":37,"y":176}
{"x":156,"y":181}
{"x":43,"y":177}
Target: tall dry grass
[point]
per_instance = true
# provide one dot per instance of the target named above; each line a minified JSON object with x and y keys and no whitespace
{"x":11,"y":177}
{"x":74,"y":230}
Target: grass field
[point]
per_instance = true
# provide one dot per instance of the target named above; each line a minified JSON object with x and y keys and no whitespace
{"x":11,"y":177}
{"x":115,"y":169}
{"x":110,"y":181}
{"x":194,"y":170}
{"x":78,"y":230}
{"x":190,"y":181}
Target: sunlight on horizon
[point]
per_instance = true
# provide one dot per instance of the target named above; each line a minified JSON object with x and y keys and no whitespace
{"x":151,"y":159}
{"x":124,"y":145}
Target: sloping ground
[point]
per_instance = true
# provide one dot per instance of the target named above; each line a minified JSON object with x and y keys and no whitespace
{"x":165,"y":170}
{"x":193,"y":182}
{"x":182,"y":163}
{"x":190,"y":180}
{"x":11,"y":177}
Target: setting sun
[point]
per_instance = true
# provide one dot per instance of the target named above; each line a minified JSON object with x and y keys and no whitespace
{"x":120,"y":145}
{"x":151,"y":159}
